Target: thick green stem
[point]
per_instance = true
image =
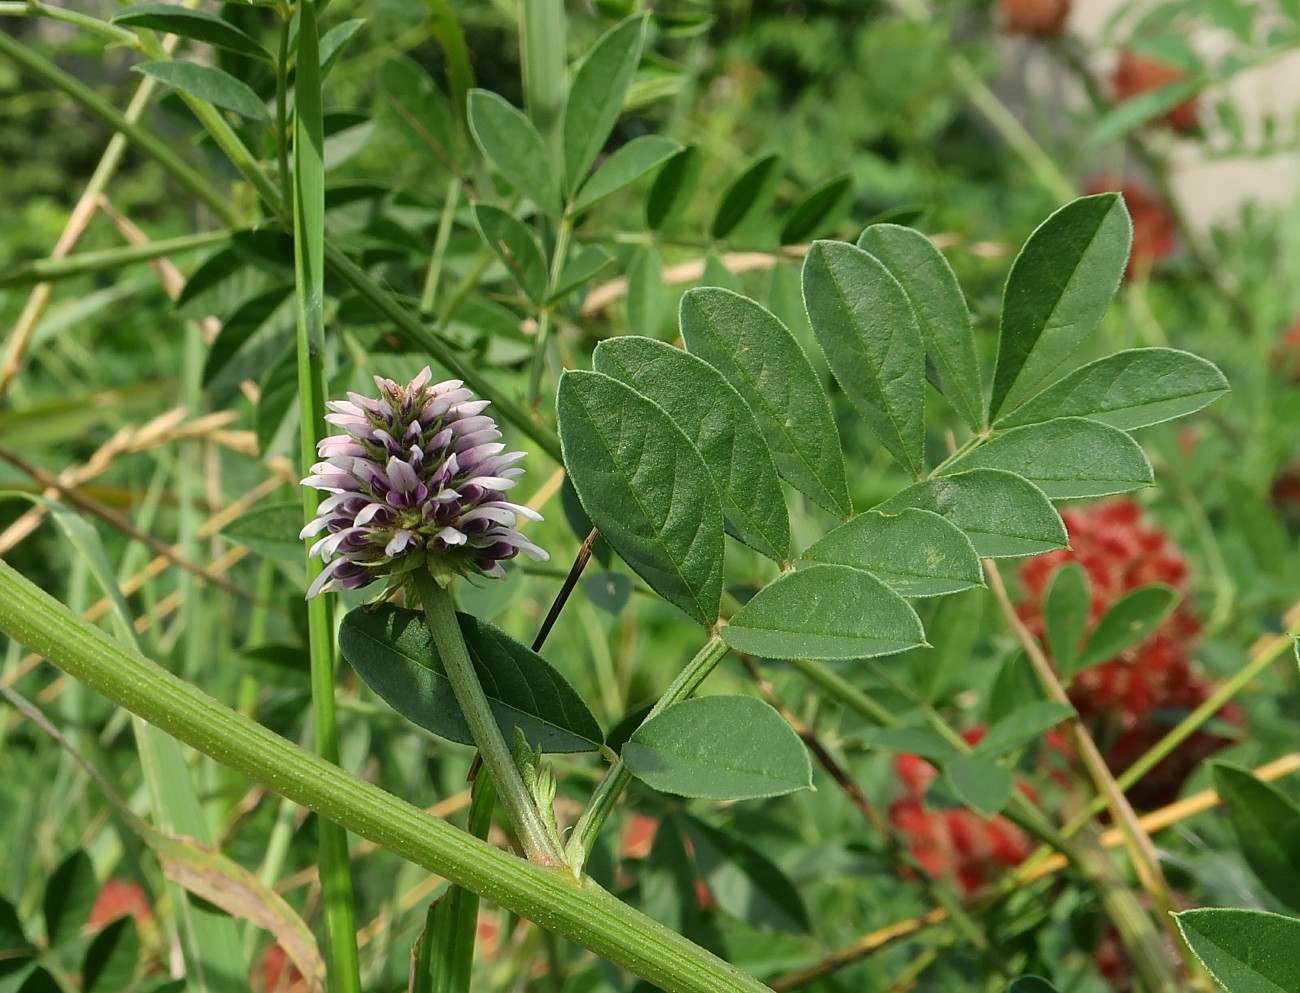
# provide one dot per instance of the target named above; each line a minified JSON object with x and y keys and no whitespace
{"x":440,"y":614}
{"x":617,"y":776}
{"x":582,"y":912}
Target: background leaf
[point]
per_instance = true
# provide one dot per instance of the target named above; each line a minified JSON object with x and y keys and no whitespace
{"x":940,"y":307}
{"x":392,"y":650}
{"x":1128,"y":390}
{"x":719,"y":748}
{"x":110,"y":961}
{"x":1126,"y":623}
{"x":1066,"y":610}
{"x":717,"y":421}
{"x":69,"y":895}
{"x":748,"y":196}
{"x":514,"y":243}
{"x":624,"y":167}
{"x":1022,"y":727}
{"x":208,"y":83}
{"x":762,"y":360}
{"x":869,"y":332}
{"x":513,"y":146}
{"x":646,"y":487}
{"x":817,"y":210}
{"x":596,"y":96}
{"x":673,"y":187}
{"x":1004,"y":515}
{"x":196,"y":24}
{"x":980,"y":783}
{"x":1068,"y":458}
{"x":1267,"y":827}
{"x":914,"y":552}
{"x":745,"y":882}
{"x":1059,"y":286}
{"x":824,"y":612}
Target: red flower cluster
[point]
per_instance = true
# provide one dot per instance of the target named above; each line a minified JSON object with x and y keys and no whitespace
{"x":1286,"y":353}
{"x":1035,"y":18}
{"x":119,"y":898}
{"x":1137,"y":74}
{"x":1155,"y":235}
{"x":954,"y":845}
{"x":1129,"y":703}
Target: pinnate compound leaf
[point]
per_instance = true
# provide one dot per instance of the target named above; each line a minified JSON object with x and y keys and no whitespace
{"x":393,"y":651}
{"x":69,"y":895}
{"x":717,"y":421}
{"x":1021,"y":727}
{"x":1267,"y":826}
{"x":1247,"y":951}
{"x":625,"y":167}
{"x":208,"y":83}
{"x":817,"y":210}
{"x":198,"y":25}
{"x":1059,"y":287}
{"x":825,"y":612}
{"x":1066,"y":610}
{"x":1128,"y":621}
{"x":1069,"y":458}
{"x":761,"y":358}
{"x":511,"y":143}
{"x":865,"y":324}
{"x":646,"y":487}
{"x":914,"y":552}
{"x":747,"y":196}
{"x":744,"y":882}
{"x":979,"y":782}
{"x":936,"y":297}
{"x":596,"y":96}
{"x":1128,"y":390}
{"x":516,"y":246}
{"x":1005,"y":515}
{"x":719,"y":748}
{"x":110,"y":961}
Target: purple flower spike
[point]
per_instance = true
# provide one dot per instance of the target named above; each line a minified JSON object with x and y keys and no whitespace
{"x":418,"y":479}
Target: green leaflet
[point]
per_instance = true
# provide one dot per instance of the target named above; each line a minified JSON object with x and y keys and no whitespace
{"x":646,"y":487}
{"x":869,"y":332}
{"x":1058,"y":288}
{"x":1005,"y":515}
{"x":825,"y":612}
{"x":514,"y":243}
{"x":596,"y":97}
{"x":936,"y":298}
{"x":914,"y":552}
{"x":1068,"y":458}
{"x":1128,"y":390}
{"x":761,"y":359}
{"x":511,"y":143}
{"x":719,"y":748}
{"x":1247,"y":951}
{"x":717,"y":421}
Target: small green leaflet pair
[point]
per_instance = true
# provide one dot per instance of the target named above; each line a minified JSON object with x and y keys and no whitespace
{"x":668,"y":450}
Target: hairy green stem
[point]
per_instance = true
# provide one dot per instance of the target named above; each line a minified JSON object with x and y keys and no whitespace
{"x":617,"y":776}
{"x":582,"y":912}
{"x":440,"y":614}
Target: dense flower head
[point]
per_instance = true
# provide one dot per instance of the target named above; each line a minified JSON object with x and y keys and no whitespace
{"x":417,"y":479}
{"x":1131,"y":701}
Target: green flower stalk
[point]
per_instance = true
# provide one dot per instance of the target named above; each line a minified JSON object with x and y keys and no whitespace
{"x":417,"y":479}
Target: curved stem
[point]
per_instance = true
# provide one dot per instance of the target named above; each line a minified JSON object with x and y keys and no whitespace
{"x":582,"y":912}
{"x":617,"y":776}
{"x":440,"y":614}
